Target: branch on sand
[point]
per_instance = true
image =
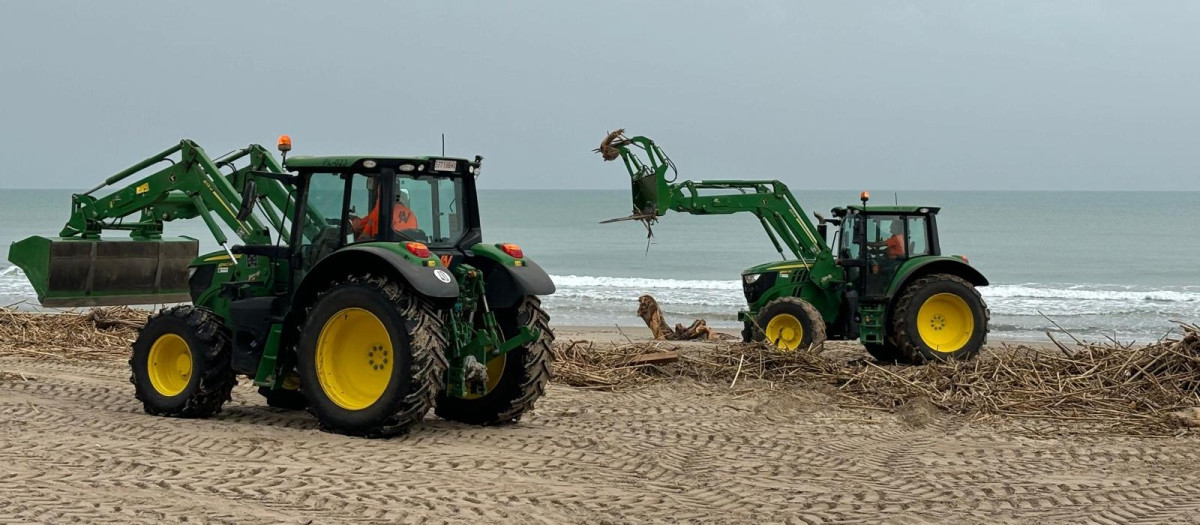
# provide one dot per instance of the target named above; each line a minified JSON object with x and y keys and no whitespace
{"x":649,"y":311}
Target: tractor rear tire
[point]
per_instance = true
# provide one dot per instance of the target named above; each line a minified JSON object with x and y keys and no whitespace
{"x":940,"y":317}
{"x":790,"y":324}
{"x":520,"y":375}
{"x":371,"y":357}
{"x":181,"y":363}
{"x":284,"y":399}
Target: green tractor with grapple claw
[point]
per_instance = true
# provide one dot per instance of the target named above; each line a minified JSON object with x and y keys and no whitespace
{"x":881,"y":278}
{"x":361,"y":290}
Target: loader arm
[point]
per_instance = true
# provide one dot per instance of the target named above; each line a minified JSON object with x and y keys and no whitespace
{"x":192,"y":187}
{"x":770,"y":200}
{"x":277,"y":199}
{"x":81,"y":267}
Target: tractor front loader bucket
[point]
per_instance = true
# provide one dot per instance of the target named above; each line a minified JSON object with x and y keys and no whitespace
{"x":69,"y":272}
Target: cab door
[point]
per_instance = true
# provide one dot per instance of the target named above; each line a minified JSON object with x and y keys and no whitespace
{"x":890,"y":240}
{"x":886,"y":247}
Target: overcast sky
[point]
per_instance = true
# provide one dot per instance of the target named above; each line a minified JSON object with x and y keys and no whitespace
{"x":823,"y":95}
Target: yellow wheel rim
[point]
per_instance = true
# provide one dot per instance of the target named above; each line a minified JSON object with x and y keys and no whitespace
{"x":785,"y":332}
{"x":170,"y":365}
{"x":495,"y":369}
{"x":354,"y":358}
{"x":945,"y":322}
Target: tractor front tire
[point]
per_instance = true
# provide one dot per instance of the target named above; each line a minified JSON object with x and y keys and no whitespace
{"x":940,"y":317}
{"x":371,"y":357}
{"x":181,"y":363}
{"x":515,"y":380}
{"x":790,"y":324}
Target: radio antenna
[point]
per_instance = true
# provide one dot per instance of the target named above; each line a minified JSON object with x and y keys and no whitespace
{"x":443,"y":144}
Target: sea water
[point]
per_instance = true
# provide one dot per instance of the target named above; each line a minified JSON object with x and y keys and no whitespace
{"x":1099,"y":264}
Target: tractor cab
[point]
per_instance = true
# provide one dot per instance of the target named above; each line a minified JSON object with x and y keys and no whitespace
{"x":874,"y":242}
{"x":426,"y":203}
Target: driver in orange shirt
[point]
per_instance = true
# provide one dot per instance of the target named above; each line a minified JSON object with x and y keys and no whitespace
{"x":893,"y":247}
{"x":895,"y":243}
{"x":403,"y":218}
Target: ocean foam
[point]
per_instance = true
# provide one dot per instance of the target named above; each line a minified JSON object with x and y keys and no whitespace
{"x":579,"y":281}
{"x":1090,"y":293}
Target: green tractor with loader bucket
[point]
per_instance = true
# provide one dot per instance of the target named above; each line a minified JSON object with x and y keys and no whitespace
{"x":326,"y":303}
{"x":881,"y":278}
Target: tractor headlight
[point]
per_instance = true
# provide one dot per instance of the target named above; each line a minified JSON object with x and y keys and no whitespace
{"x":756,"y":284}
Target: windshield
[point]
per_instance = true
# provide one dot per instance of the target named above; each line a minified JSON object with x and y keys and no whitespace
{"x":424,"y":209}
{"x":428,"y":210}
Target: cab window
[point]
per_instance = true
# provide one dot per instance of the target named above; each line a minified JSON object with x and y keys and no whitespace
{"x":886,"y":235}
{"x":427,"y":210}
{"x":918,"y":238}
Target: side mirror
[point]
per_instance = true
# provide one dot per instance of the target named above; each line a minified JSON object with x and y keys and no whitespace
{"x":249,"y":196}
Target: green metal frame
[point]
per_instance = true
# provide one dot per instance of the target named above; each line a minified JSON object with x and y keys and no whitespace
{"x":777,"y":210}
{"x":475,"y":334}
{"x":192,"y":187}
{"x":276,"y":199}
{"x":812,"y":273}
{"x":770,"y":200}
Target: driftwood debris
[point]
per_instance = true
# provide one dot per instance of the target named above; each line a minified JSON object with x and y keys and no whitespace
{"x":649,"y":311}
{"x":609,"y":148}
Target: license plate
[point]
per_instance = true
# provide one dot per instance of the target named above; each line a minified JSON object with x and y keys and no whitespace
{"x":444,"y":165}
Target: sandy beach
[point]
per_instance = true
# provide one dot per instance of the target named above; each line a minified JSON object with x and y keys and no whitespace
{"x":75,"y":444}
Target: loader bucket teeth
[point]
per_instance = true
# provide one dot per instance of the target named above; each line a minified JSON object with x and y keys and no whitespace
{"x":105,"y":272}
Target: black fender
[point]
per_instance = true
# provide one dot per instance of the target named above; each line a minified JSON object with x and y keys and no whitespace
{"x":435,"y":283}
{"x":507,"y":285}
{"x":949,"y":265}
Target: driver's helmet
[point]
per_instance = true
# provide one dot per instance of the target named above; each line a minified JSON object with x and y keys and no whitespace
{"x":402,"y":197}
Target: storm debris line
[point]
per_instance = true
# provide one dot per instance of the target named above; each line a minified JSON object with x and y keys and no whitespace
{"x":1104,"y":388}
{"x":98,"y":333}
{"x":1095,"y":387}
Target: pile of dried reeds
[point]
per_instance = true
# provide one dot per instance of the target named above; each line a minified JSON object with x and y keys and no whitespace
{"x":99,"y":333}
{"x":1107,"y":387}
{"x":603,"y":367}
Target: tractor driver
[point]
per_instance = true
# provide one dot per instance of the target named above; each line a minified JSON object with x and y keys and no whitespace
{"x":403,"y":218}
{"x":894,"y":245}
